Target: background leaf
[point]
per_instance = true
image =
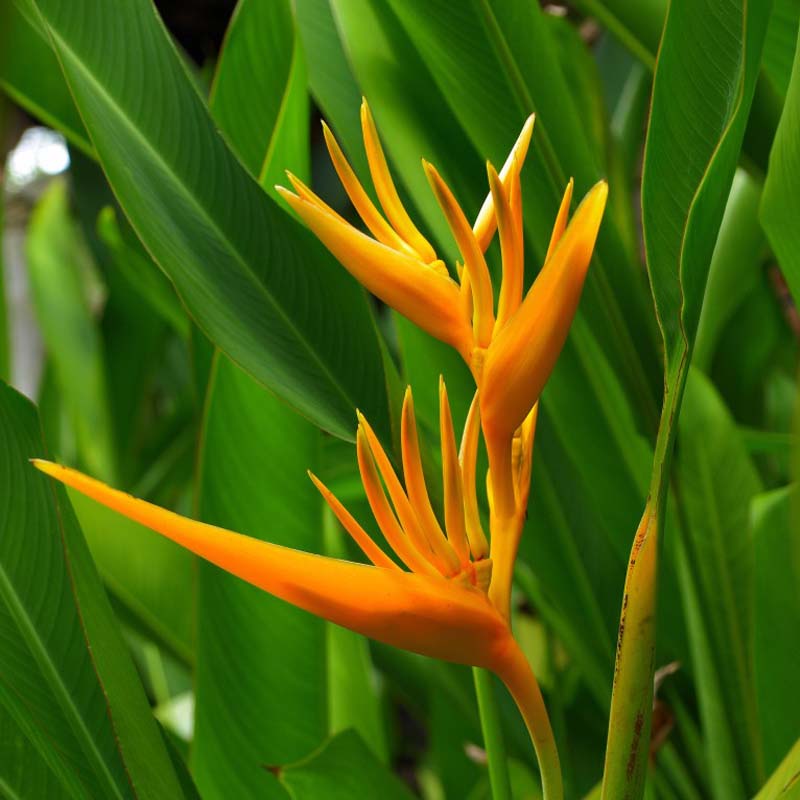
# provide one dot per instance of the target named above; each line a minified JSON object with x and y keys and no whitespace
{"x":777,"y":618}
{"x":58,"y":268}
{"x":716,"y":482}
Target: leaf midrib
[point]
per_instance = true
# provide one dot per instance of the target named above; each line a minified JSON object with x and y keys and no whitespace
{"x":184,"y":191}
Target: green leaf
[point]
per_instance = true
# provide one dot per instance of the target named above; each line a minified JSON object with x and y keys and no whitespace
{"x":258,"y":284}
{"x":66,"y":679}
{"x":735,"y":266}
{"x":58,"y":262}
{"x":344,"y":768}
{"x":777,"y":620}
{"x":703,"y":88}
{"x":780,"y":206}
{"x":30,"y":75}
{"x":261,"y":672}
{"x":716,"y":483}
{"x":259,"y":92}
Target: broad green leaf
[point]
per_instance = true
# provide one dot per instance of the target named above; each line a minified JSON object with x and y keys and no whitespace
{"x":716,"y":482}
{"x":777,"y":620}
{"x":30,"y":75}
{"x":735,"y":266}
{"x":703,"y":88}
{"x":784,"y":783}
{"x":261,"y":672}
{"x":780,"y":206}
{"x":344,"y":768}
{"x":66,"y":679}
{"x":57,"y":266}
{"x":258,"y":284}
{"x":259,"y":91}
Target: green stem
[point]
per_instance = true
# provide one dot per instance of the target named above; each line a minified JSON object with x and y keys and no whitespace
{"x":515,"y":671}
{"x":492,"y":734}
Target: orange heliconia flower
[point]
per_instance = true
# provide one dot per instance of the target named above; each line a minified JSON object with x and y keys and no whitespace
{"x":440,"y":605}
{"x":449,"y":597}
{"x":511,"y":342}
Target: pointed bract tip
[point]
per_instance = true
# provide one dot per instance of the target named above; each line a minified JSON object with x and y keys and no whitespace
{"x":43,"y":465}
{"x":285,"y":193}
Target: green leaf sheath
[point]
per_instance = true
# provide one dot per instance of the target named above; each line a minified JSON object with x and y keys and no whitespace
{"x":258,"y":284}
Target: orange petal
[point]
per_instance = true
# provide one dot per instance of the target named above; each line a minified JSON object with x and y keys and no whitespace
{"x":561,"y":220}
{"x":485,"y":221}
{"x":451,"y":478}
{"x":402,"y":506}
{"x":426,"y":297}
{"x":309,"y":196}
{"x":468,"y":457}
{"x":431,"y":616}
{"x":522,"y":355}
{"x":474,"y":262}
{"x":384,"y":516}
{"x":360,"y":536}
{"x":386,"y":191}
{"x":380,"y":228}
{"x":511,"y":287}
{"x":418,"y":491}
